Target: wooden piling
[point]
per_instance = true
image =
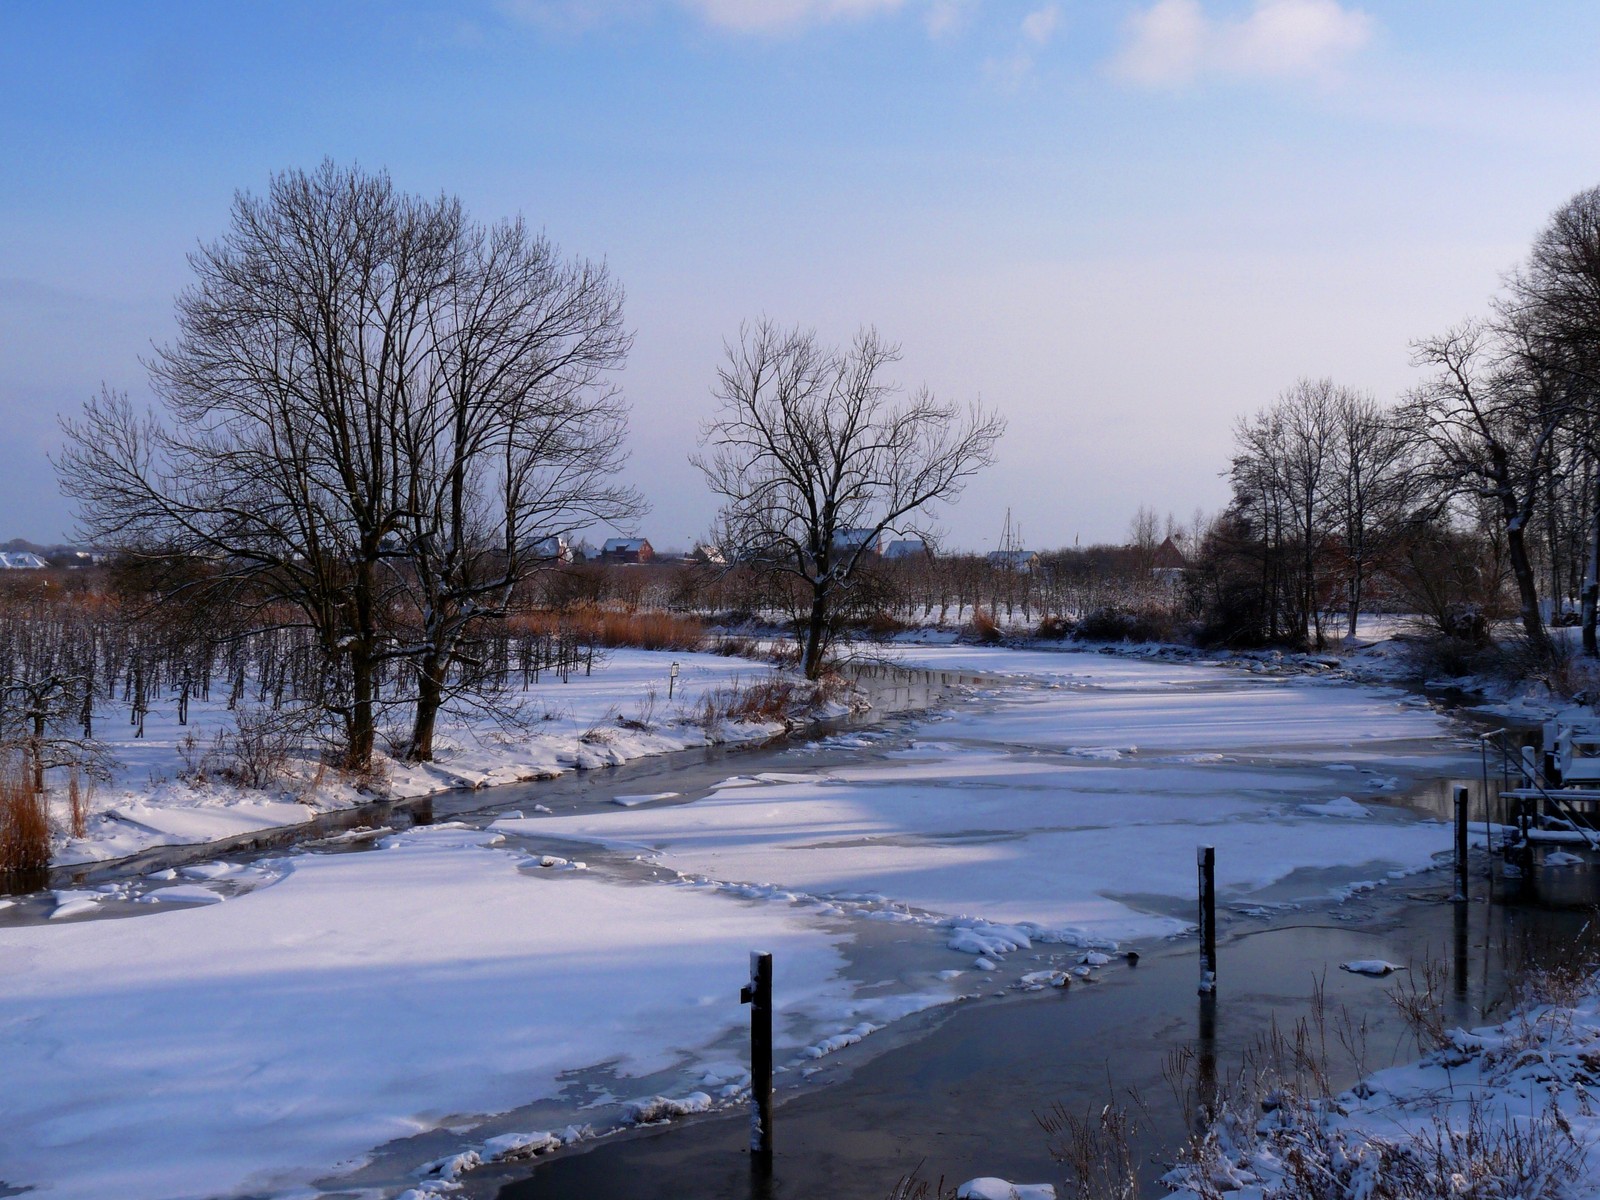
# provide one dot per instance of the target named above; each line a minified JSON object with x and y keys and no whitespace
{"x":1206,"y":857}
{"x":758,"y":995}
{"x":1461,"y":845}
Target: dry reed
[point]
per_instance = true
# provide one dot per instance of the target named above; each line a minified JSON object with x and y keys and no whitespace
{"x":24,"y":824}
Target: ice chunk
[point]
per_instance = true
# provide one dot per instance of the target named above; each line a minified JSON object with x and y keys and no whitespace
{"x":990,"y":1188}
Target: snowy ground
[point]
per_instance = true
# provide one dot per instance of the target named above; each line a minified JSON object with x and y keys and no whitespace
{"x":1503,"y":1110}
{"x":568,"y":725}
{"x":317,"y":1006}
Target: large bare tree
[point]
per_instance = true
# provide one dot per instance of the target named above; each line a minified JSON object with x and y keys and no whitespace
{"x":372,"y":406}
{"x":1487,"y":420}
{"x":511,"y":440}
{"x":815,"y":454}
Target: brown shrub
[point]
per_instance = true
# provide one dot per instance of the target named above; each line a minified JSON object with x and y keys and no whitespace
{"x":983,"y":629}
{"x":613,"y":628}
{"x":24,"y":824}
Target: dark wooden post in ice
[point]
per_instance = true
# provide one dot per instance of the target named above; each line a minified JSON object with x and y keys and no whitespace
{"x":758,"y":995}
{"x":1206,"y":856}
{"x":1461,"y":845}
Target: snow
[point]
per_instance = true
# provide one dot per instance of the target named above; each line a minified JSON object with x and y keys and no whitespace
{"x":1503,"y":1110}
{"x":1015,"y":814}
{"x":258,"y":1042}
{"x":1371,"y":966}
{"x":990,"y":1188}
{"x":572,"y":725}
{"x":256,"y":1028}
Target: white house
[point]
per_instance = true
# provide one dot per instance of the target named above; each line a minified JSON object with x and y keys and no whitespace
{"x":555,"y":548}
{"x":21,"y":560}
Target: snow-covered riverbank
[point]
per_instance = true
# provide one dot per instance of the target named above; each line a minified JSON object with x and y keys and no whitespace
{"x":321,"y":1004}
{"x":621,"y":712}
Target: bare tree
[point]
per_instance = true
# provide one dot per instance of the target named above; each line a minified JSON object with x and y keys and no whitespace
{"x":1487,"y":420}
{"x":510,"y":441}
{"x":1369,"y":489}
{"x":1558,"y":292}
{"x":815,"y":455}
{"x":371,"y":407}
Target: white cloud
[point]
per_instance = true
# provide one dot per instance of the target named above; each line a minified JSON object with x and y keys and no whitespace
{"x":1174,"y":42}
{"x":739,"y":16}
{"x":776,"y":16}
{"x":1041,"y":24}
{"x":946,"y":17}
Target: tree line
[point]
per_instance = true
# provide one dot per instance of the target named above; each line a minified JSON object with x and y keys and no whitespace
{"x":1481,"y":481}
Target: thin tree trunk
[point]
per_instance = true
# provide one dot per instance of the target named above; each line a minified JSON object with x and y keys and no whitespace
{"x":1591,"y":585}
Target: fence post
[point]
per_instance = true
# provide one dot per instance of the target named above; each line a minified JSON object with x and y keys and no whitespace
{"x":1206,"y":856}
{"x":758,"y":995}
{"x":1461,"y":845}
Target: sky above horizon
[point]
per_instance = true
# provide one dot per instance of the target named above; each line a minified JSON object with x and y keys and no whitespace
{"x":1123,"y":223}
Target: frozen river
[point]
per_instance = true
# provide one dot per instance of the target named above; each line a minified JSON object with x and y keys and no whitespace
{"x":319,"y":1021}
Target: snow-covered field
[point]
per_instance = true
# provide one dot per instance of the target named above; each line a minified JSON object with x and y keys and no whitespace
{"x":329,"y":1003}
{"x":571,"y":725}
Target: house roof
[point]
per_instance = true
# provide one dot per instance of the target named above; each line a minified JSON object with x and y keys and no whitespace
{"x":906,"y":548}
{"x":854,"y":537}
{"x":1168,"y":556}
{"x":625,"y":545}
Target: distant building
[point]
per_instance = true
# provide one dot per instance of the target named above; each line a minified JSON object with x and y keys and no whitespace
{"x":627,"y":550}
{"x":862,"y":541}
{"x":707,"y":555}
{"x":1023,"y":562}
{"x":554,"y":548}
{"x":1168,"y":563}
{"x":907,"y":548}
{"x":21,"y":560}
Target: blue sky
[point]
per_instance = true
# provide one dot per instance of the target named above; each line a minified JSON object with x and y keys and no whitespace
{"x":1122,"y":223}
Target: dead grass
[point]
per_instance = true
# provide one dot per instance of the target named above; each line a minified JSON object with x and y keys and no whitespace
{"x":983,"y":629}
{"x":771,"y":698}
{"x":24,"y":824}
{"x":614,"y":628}
{"x":79,"y":797}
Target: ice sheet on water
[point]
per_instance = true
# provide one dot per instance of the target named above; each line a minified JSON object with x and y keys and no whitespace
{"x":183,"y":893}
{"x":632,"y":801}
{"x":1343,"y":807}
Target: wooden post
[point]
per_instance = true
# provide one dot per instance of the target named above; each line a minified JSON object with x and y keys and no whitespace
{"x":1206,"y":856}
{"x":1461,"y":845}
{"x":758,"y":995}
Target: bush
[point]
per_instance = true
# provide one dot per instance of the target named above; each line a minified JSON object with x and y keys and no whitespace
{"x":1111,"y":624}
{"x":983,"y":629}
{"x":1053,"y":629}
{"x":24,"y":824}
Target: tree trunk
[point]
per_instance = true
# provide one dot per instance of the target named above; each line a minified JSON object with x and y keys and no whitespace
{"x":361,"y":727}
{"x":816,"y":630}
{"x":1591,"y":585}
{"x":430,"y":695}
{"x":1527,"y":588}
{"x":37,"y":754}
